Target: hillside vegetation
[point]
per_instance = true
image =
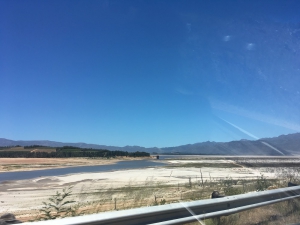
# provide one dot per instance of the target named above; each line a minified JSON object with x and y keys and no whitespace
{"x":36,"y":151}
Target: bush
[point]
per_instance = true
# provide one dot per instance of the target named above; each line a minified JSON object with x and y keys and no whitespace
{"x":58,"y":206}
{"x":262,"y":183}
{"x":232,"y":191}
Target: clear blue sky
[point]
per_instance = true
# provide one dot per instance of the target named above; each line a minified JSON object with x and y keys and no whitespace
{"x":149,"y":73}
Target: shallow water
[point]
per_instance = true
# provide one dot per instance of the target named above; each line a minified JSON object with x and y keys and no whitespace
{"x":22,"y":175}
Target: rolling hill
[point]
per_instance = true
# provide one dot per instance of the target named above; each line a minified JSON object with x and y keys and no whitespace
{"x":282,"y":145}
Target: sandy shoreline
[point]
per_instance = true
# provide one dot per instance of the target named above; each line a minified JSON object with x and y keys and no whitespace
{"x":30,"y":164}
{"x":25,"y":197}
{"x":18,"y":195}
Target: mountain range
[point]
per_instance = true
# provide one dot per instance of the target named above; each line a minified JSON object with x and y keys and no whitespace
{"x":281,"y":145}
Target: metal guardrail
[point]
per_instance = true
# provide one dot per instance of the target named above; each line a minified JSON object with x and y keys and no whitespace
{"x":184,"y":212}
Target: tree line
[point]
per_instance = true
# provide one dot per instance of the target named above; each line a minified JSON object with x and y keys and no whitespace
{"x":35,"y":146}
{"x":70,"y":154}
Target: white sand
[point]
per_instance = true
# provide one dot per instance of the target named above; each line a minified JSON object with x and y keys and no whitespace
{"x":25,"y":194}
{"x":22,"y":195}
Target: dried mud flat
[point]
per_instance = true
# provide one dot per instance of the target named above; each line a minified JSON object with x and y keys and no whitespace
{"x":25,"y":197}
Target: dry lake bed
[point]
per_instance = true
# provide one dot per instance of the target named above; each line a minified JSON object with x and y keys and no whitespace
{"x":180,"y":178}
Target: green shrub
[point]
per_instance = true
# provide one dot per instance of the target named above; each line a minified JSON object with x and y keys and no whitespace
{"x":262,"y":183}
{"x":58,"y":206}
{"x":232,"y":191}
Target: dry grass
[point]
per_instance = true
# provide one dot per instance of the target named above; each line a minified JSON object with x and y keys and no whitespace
{"x":22,"y":149}
{"x":154,"y":193}
{"x":43,"y":150}
{"x":100,"y":198}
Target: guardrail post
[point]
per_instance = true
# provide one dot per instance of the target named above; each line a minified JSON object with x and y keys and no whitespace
{"x":115,"y":203}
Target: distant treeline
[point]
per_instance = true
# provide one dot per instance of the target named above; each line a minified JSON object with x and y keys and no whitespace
{"x":9,"y":146}
{"x":34,"y":146}
{"x":24,"y":154}
{"x":68,"y":152}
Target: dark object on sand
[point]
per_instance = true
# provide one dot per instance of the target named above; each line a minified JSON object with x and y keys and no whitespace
{"x":216,"y":194}
{"x":9,"y":218}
